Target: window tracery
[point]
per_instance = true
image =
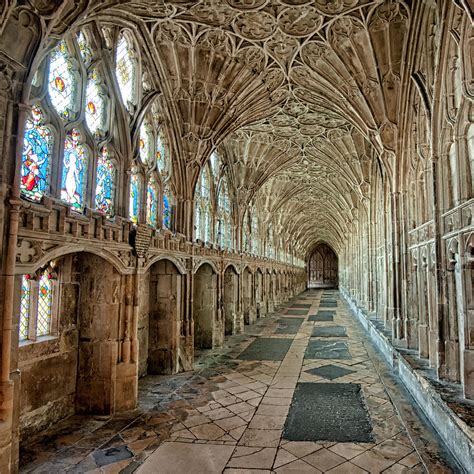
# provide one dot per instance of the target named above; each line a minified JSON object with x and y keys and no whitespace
{"x":202,"y":206}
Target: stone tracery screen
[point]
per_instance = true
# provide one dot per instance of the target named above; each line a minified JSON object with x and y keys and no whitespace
{"x":323,"y":267}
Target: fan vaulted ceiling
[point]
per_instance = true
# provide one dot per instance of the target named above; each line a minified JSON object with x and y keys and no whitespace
{"x":300,"y":98}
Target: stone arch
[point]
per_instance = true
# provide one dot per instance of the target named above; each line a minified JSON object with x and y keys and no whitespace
{"x":207,"y":327}
{"x":259,"y":293}
{"x":248,"y":296}
{"x":232,"y":323}
{"x":80,"y":373}
{"x":323,"y":267}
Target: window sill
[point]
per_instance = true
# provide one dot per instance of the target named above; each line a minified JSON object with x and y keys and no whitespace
{"x":29,"y":342}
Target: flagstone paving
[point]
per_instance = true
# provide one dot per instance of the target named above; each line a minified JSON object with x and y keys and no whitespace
{"x":228,"y":415}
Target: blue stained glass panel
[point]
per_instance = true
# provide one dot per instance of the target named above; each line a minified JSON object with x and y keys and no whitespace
{"x":166,"y":212}
{"x":37,"y":144}
{"x":105,"y":183}
{"x":151,"y":203}
{"x":74,"y":170}
{"x":134,"y":201}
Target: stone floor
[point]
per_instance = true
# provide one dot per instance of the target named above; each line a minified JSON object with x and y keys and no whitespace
{"x":229,"y":414}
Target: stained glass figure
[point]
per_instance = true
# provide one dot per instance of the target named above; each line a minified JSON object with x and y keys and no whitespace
{"x":166,"y":211}
{"x":134,"y":201}
{"x":24,"y":307}
{"x":202,"y":203}
{"x":45,"y":300}
{"x":151,"y":202}
{"x":125,"y":71}
{"x":62,"y":84}
{"x":37,"y":145}
{"x":160,"y":153}
{"x":95,"y":104}
{"x":84,"y":48}
{"x":105,"y":183}
{"x":74,"y":170}
{"x":146,"y":142}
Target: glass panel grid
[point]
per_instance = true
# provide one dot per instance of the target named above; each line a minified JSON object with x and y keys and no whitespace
{"x":45,"y":299}
{"x":24,"y":308}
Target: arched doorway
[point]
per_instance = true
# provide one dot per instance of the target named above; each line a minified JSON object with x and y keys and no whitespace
{"x":259,"y":304}
{"x":205,"y":308}
{"x":247,"y":297}
{"x":71,"y":358}
{"x":323,"y":268}
{"x":164,"y":316}
{"x":231,"y":293}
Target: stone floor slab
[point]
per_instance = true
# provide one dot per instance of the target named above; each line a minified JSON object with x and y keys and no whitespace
{"x":182,"y":458}
{"x":328,"y":412}
{"x":321,"y":316}
{"x":329,"y":331}
{"x":266,"y":349}
{"x":289,"y":325}
{"x":330,"y":372}
{"x":297,"y":312}
{"x":327,"y":350}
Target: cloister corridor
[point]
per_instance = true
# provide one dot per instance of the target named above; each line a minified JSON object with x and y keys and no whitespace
{"x":243,"y":409}
{"x":236,"y":236}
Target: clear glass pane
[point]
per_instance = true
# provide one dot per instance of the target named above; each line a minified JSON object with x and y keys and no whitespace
{"x":62,"y":86}
{"x":24,"y":308}
{"x":45,"y":300}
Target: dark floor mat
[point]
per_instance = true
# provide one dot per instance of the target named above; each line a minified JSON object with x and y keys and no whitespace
{"x":298,"y":312}
{"x":330,"y":371}
{"x":328,"y":412}
{"x":266,"y":349}
{"x":321,"y":317}
{"x":329,"y":331}
{"x":289,"y":325}
{"x":327,"y":350}
{"x":327,"y":305}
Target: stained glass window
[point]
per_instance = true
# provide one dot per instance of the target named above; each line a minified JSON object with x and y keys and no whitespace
{"x":225,"y":217}
{"x":146,"y":142}
{"x":151,"y":202}
{"x":134,"y":202}
{"x":45,"y":300}
{"x":95,"y":104}
{"x":202,"y":210}
{"x":166,"y":210}
{"x":160,"y":153}
{"x":62,"y":83}
{"x":74,"y":170}
{"x":84,"y":47}
{"x":24,"y":307}
{"x":37,"y":145}
{"x":125,"y":70}
{"x":105,"y":183}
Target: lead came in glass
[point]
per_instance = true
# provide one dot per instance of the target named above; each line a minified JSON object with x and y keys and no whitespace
{"x":61,"y":81}
{"x":105,"y":183}
{"x":74,"y":170}
{"x":37,"y":144}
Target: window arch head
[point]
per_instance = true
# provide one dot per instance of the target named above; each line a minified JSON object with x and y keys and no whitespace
{"x":96,"y":104}
{"x":36,"y":156}
{"x":126,"y":70}
{"x":63,"y":82}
